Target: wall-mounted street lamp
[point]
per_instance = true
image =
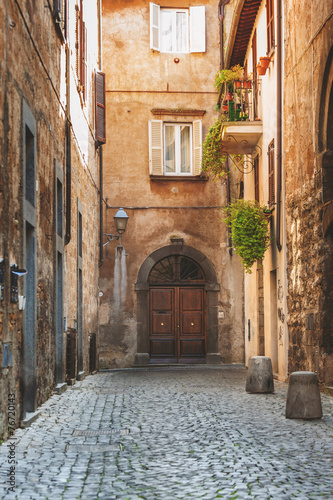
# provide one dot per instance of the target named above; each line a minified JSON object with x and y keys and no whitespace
{"x":120,"y":220}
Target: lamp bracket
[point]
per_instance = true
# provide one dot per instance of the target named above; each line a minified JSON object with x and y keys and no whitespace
{"x":110,"y":237}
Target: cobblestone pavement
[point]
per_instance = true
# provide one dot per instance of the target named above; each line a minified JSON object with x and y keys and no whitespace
{"x":171,"y":433}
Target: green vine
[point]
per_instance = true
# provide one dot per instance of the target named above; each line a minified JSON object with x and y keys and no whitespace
{"x":212,"y":158}
{"x":248,"y":222}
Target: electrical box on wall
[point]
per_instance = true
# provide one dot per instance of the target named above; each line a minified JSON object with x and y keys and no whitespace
{"x":7,"y":355}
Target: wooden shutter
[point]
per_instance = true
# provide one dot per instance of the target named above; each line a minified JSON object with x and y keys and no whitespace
{"x":154,"y":26}
{"x":197,"y":147}
{"x":270,"y":26}
{"x":100,"y":126}
{"x":84,"y":61}
{"x":197,"y":29}
{"x":271,"y":173}
{"x":156,"y":147}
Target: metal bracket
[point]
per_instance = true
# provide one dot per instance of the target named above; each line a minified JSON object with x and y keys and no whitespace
{"x":110,"y":237}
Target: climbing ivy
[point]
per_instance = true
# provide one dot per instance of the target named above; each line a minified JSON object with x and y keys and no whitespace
{"x":213,"y":161}
{"x":248,"y":222}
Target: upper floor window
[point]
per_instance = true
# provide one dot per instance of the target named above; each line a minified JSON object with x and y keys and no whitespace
{"x":270,"y":26}
{"x":175,"y":148}
{"x":271,"y":173}
{"x":177,"y":30}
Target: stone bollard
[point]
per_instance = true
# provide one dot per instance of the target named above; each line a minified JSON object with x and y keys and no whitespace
{"x":303,"y":398}
{"x":260,"y":375}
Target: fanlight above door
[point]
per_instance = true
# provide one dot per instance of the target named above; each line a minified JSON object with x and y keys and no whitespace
{"x":176,"y":269}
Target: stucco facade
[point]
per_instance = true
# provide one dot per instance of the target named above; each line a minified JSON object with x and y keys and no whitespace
{"x":168,"y":215}
{"x":265,"y":288}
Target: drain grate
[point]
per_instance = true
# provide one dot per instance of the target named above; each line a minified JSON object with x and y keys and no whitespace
{"x":101,"y":432}
{"x":93,"y":448}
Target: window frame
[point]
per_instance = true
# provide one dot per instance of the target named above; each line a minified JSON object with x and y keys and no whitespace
{"x":271,"y":173}
{"x":196,"y":28}
{"x":174,"y":30}
{"x":270,"y":26}
{"x":177,"y":126}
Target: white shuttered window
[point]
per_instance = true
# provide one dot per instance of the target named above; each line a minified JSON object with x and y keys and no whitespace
{"x":175,"y":148}
{"x":177,"y":30}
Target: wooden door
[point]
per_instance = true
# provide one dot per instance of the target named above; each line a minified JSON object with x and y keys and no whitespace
{"x":177,"y":325}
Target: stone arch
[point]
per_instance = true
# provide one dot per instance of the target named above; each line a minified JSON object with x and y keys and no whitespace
{"x":212,"y":288}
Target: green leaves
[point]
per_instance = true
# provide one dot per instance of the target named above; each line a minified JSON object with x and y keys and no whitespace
{"x":212,"y":159}
{"x":228,"y":75}
{"x":249,"y":230}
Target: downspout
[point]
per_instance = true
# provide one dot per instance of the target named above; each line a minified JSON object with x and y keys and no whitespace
{"x":222,"y":4}
{"x":68,"y":154}
{"x":101,"y":255}
{"x":279,"y":124}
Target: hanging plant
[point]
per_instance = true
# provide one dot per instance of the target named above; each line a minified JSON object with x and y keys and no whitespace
{"x":213,"y":161}
{"x":249,"y":230}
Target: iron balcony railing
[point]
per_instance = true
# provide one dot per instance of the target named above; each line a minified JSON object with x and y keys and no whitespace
{"x":239,"y":100}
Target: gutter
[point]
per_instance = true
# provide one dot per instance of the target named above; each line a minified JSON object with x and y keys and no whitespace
{"x":221,"y":7}
{"x":101,"y":254}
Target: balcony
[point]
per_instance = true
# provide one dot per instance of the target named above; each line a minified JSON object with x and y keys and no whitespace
{"x":241,"y":128}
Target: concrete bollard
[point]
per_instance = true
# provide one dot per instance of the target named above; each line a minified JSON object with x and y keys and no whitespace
{"x":303,"y":398}
{"x":260,"y":375}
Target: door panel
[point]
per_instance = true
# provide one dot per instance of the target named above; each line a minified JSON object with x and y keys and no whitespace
{"x":192,"y":325}
{"x":177,"y":325}
{"x":162,"y":339}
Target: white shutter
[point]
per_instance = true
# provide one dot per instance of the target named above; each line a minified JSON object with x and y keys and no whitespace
{"x":156,"y":147}
{"x":197,"y":29}
{"x":154,"y":26}
{"x":197,"y":147}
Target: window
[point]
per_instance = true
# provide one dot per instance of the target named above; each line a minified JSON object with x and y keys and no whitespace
{"x":271,"y":173}
{"x":177,"y":30}
{"x":178,"y":147}
{"x":270,"y":26}
{"x":81,"y":51}
{"x":60,"y":14}
{"x":256,"y":178}
{"x":175,"y":148}
{"x":100,"y":127}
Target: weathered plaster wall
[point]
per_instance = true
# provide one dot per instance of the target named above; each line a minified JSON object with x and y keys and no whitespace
{"x":139,"y":80}
{"x":309,"y":252}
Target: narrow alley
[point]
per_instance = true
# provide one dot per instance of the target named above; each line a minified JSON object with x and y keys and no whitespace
{"x":167,"y":433}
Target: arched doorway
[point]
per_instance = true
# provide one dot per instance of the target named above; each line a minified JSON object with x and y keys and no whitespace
{"x":177,"y":323}
{"x":177,"y":298}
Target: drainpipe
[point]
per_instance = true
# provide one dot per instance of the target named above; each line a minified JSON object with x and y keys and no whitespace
{"x":68,"y":154}
{"x":279,"y":123}
{"x":222,"y":4}
{"x":101,"y":255}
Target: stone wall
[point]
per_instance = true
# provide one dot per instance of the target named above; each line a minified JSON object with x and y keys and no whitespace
{"x":33,"y":87}
{"x":309,"y":250}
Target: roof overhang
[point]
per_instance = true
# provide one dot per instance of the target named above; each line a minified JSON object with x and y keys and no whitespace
{"x":245,"y":14}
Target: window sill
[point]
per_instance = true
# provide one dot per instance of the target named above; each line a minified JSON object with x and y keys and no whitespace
{"x":188,"y":178}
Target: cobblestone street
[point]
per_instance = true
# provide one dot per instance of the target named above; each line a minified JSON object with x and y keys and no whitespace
{"x":167,"y":433}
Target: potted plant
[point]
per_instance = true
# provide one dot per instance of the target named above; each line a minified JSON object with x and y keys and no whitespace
{"x":229,"y":76}
{"x":264,"y":61}
{"x":261,"y":70}
{"x":249,"y":231}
